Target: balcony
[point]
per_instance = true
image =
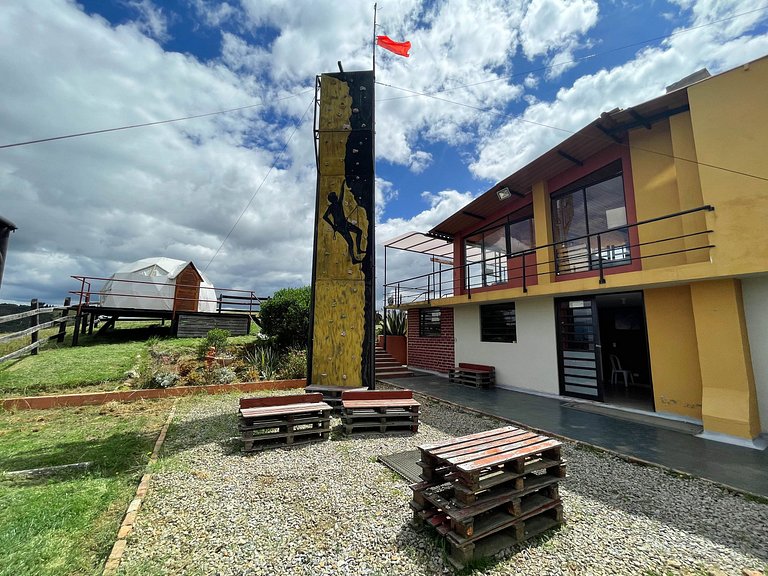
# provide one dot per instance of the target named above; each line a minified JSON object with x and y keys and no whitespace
{"x":663,"y":242}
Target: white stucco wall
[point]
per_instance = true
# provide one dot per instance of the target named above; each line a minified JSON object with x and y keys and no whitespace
{"x":755,"y":291}
{"x":530,"y":363}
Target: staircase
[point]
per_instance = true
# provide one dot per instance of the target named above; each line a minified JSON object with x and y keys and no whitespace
{"x":387,"y":367}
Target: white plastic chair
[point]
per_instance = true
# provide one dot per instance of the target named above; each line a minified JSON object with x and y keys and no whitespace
{"x":617,"y":371}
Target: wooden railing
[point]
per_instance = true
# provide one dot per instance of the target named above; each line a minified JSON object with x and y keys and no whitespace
{"x":35,"y":327}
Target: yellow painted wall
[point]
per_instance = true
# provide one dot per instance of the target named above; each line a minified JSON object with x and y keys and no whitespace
{"x":656,"y":194}
{"x":542,"y":230}
{"x":339,"y":293}
{"x":729,"y":401}
{"x":689,"y":186}
{"x":730,"y":116}
{"x":673,"y":351}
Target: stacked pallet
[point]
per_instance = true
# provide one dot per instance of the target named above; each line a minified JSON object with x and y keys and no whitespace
{"x":477,"y":375}
{"x":283,"y":421}
{"x":332,"y":394}
{"x":487,"y":491}
{"x":374,"y":411}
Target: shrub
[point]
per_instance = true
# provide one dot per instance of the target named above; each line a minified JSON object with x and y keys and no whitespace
{"x":396,"y":324}
{"x":285,"y":317}
{"x":224,"y":375}
{"x":164,"y":379}
{"x":264,"y":361}
{"x":293,"y":364}
{"x":216,"y":338}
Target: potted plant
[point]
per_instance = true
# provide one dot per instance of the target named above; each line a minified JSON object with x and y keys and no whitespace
{"x":395,"y":326}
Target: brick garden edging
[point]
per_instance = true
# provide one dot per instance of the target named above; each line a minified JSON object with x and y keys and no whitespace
{"x":96,"y":398}
{"x":116,"y":554}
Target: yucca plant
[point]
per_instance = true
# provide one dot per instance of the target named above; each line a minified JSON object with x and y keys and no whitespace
{"x":265,"y":360}
{"x":396,"y":323}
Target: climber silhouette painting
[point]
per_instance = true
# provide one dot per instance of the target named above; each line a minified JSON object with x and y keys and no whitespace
{"x":337,"y":219}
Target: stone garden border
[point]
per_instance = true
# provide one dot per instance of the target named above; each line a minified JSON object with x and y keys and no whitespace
{"x":96,"y":398}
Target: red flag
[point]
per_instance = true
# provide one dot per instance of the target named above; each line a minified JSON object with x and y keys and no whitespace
{"x":400,"y":48}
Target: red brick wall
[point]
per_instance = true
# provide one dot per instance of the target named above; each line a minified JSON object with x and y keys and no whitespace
{"x":435,"y":353}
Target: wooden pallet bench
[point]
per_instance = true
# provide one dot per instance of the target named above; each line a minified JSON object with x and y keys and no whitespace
{"x":332,"y":394}
{"x":487,"y":491}
{"x":375,"y":411}
{"x":283,"y":421}
{"x":478,"y":375}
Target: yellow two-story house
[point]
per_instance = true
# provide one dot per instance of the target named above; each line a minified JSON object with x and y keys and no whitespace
{"x":627,"y":265}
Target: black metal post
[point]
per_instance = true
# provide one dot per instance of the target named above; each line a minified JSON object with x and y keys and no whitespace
{"x":525,"y":286}
{"x":600,"y":258}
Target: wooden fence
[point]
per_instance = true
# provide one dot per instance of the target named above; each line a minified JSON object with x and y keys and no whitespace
{"x":35,"y":327}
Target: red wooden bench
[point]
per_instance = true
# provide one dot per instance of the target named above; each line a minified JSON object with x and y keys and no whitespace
{"x":473,"y":374}
{"x":379,"y":411}
{"x":283,"y":421}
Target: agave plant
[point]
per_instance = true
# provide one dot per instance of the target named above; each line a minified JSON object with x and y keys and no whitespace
{"x":396,"y":323}
{"x":265,"y":360}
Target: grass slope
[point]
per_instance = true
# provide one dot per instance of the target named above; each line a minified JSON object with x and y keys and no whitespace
{"x":66,"y":524}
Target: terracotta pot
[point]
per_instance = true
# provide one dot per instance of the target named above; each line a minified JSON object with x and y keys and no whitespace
{"x":397,"y":346}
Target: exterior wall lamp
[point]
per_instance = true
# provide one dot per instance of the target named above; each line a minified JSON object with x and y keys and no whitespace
{"x":505,"y":193}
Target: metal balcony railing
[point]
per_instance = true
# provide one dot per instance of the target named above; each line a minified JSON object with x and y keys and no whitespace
{"x":610,"y":251}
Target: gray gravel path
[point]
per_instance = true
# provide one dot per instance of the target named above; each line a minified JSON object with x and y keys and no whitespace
{"x":330,"y":508}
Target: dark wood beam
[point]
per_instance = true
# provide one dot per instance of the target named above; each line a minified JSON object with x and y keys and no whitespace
{"x":608,"y":133}
{"x":571,"y":158}
{"x":640,"y":118}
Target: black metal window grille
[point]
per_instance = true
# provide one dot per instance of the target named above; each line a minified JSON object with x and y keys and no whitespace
{"x":429,"y":322}
{"x":498,"y":323}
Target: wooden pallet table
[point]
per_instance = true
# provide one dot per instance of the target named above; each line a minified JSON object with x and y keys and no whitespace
{"x":477,"y":375}
{"x":487,"y":491}
{"x":375,"y":411}
{"x":283,"y":421}
{"x":332,"y":394}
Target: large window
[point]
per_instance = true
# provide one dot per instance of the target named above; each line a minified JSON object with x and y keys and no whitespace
{"x":498,"y":323}
{"x":429,"y":322}
{"x":594,"y":204}
{"x":486,"y":252}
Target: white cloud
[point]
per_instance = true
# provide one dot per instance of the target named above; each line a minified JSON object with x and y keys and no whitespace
{"x":85,"y":205}
{"x":152,"y":20}
{"x":545,"y":123}
{"x":554,"y":28}
{"x":420,"y":161}
{"x":215,"y":13}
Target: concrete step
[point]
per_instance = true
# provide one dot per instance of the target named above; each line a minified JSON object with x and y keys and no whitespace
{"x":394,"y":374}
{"x":388,"y":367}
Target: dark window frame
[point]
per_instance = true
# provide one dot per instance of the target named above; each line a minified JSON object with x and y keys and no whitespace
{"x":430,"y":325}
{"x":578,"y":190}
{"x":498,"y":323}
{"x":500,"y":272}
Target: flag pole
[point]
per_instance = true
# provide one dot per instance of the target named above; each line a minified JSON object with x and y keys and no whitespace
{"x":373,"y":44}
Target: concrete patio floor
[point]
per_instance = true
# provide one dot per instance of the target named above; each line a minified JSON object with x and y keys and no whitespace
{"x":743,"y":469}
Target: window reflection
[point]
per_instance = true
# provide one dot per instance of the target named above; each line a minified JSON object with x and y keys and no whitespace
{"x":593,"y":205}
{"x":486,"y":253}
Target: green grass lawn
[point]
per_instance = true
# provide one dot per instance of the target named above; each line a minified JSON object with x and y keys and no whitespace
{"x":66,"y":524}
{"x":97,"y":363}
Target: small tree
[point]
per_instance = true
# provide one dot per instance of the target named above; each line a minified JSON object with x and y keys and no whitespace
{"x":217,"y":337}
{"x":285,"y":317}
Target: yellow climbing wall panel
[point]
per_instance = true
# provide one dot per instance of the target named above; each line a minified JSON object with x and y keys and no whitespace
{"x":341,"y":244}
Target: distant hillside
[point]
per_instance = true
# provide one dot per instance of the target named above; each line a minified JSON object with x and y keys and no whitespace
{"x":16,"y":325}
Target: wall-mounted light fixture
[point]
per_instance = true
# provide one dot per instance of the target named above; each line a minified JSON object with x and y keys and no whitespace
{"x":504,"y":193}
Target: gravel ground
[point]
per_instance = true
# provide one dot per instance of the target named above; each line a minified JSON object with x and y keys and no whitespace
{"x":329,"y":508}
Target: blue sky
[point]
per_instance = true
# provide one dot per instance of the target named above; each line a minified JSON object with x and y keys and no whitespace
{"x":498,"y":71}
